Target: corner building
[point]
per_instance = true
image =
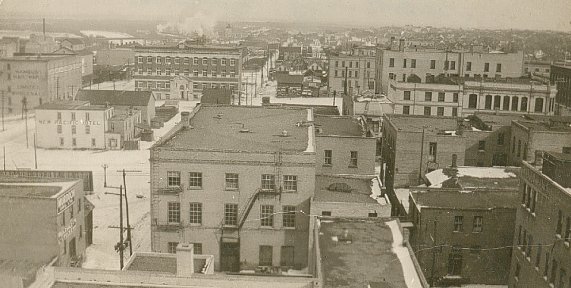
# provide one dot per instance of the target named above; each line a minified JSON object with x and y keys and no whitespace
{"x":236,"y":182}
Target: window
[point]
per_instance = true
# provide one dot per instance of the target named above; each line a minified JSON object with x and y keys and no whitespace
{"x":288,"y":216}
{"x":197,"y":248}
{"x":538,"y":105}
{"x":406,"y":110}
{"x":472,"y":101}
{"x":204,"y":61}
{"x":195,"y":213}
{"x":432,"y":64}
{"x":392,"y":62}
{"x":497,"y":100}
{"x":59,"y":129}
{"x":428,"y":96}
{"x":58,"y":113}
{"x":454,"y":111}
{"x":412,"y":63}
{"x":514,"y":103}
{"x":268,"y":182}
{"x":267,"y":215}
{"x":336,"y":63}
{"x":488,"y":102}
{"x":458,"y":223}
{"x":353,"y":160}
{"x":477,"y":224}
{"x":455,"y":97}
{"x":486,"y":67}
{"x":159,"y":59}
{"x":87,"y":129}
{"x":172,"y":247}
{"x":195,"y":180}
{"x":195,"y":61}
{"x":73,"y":142}
{"x":481,"y":145}
{"x":441,"y":96}
{"x":231,"y":214}
{"x":266,"y":253}
{"x":406,"y":95}
{"x":446,"y":64}
{"x":70,"y":212}
{"x":336,"y":73}
{"x":168,"y":71}
{"x":468,"y":66}
{"x":523,"y":104}
{"x":501,"y":139}
{"x":287,"y":256}
{"x":61,"y":142}
{"x":290,"y":183}
{"x":173,"y":213}
{"x":328,"y":160}
{"x":177,"y":60}
{"x":232,"y":62}
{"x":232,"y":181}
{"x":427,"y":111}
{"x":452,"y":65}
{"x":173,"y":179}
{"x":403,"y":63}
{"x":498,"y":67}
{"x":545,"y":271}
{"x":140,"y":59}
{"x":440,"y":111}
{"x":559,"y":223}
{"x":325,"y":213}
{"x":455,"y":261}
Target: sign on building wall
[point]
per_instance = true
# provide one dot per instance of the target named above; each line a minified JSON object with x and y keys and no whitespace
{"x":65,"y":200}
{"x":68,"y":230}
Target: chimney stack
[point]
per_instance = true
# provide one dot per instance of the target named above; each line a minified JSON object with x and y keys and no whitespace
{"x":185,"y":118}
{"x":454,"y":161}
{"x":184,"y":260}
{"x":401,"y":44}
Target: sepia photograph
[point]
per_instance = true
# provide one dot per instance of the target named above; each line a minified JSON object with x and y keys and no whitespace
{"x":285,"y":143}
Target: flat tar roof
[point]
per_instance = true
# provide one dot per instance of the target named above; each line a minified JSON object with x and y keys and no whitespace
{"x":70,"y":105}
{"x":33,"y":188}
{"x":158,"y":263}
{"x":474,"y":178}
{"x":241,"y":128}
{"x":445,"y":198}
{"x":369,"y":257}
{"x":361,"y":189}
{"x":338,"y":126}
{"x":415,"y":123}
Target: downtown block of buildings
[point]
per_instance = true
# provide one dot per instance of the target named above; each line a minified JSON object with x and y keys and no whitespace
{"x":184,"y":71}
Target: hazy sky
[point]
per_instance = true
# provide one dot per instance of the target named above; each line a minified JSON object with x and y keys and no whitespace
{"x":523,"y":14}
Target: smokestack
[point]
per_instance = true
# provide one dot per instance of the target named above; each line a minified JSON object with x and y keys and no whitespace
{"x":185,"y":119}
{"x":44,"y":27}
{"x":454,"y":161}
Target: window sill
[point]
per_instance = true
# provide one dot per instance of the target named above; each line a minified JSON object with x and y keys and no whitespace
{"x":194,"y":224}
{"x":232,"y":189}
{"x":229,"y":226}
{"x":354,"y":167}
{"x":194,"y":188}
{"x":288,"y":228}
{"x":327,"y":165}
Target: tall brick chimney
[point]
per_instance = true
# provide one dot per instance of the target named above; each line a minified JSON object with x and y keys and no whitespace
{"x":185,"y":118}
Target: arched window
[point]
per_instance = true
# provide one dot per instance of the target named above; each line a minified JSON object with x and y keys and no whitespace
{"x":473,"y":101}
{"x":538,"y":105}
{"x":523,"y":104}
{"x":506,"y":104}
{"x":515,"y":100}
{"x":497,"y":100}
{"x":488,"y":102}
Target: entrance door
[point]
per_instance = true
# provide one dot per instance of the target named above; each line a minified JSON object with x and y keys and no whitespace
{"x":230,"y":257}
{"x":72,"y":250}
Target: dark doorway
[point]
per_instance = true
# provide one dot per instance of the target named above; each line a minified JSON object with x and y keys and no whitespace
{"x":72,"y":249}
{"x":230,"y":257}
{"x":89,"y":229}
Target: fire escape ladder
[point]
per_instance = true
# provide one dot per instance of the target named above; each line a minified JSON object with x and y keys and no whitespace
{"x":244,"y":215}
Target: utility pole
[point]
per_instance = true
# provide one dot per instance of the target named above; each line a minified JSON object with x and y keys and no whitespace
{"x":104,"y":166}
{"x":35,"y":153}
{"x":433,"y":256}
{"x":26,"y":115}
{"x":127,"y":210}
{"x":3,"y":111}
{"x":4,"y":157}
{"x":121,"y":242}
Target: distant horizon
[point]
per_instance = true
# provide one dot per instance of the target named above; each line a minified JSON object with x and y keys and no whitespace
{"x":471,"y":14}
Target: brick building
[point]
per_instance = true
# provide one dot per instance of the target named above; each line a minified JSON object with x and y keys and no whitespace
{"x":206,"y":66}
{"x":560,"y":76}
{"x":35,"y":80}
{"x":463,"y":225}
{"x":289,"y":85}
{"x":402,"y":62}
{"x":357,"y":69}
{"x":543,"y":224}
{"x":461,"y":97}
{"x":533,"y":134}
{"x":43,"y":218}
{"x":122,"y":101}
{"x":236,"y":196}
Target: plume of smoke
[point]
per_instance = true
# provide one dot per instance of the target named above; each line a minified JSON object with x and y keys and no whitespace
{"x":199,"y":24}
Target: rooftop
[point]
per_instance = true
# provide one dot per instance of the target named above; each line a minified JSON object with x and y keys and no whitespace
{"x":370,"y":252}
{"x":242,"y":128}
{"x":70,"y":105}
{"x":317,"y":109}
{"x":283,"y":78}
{"x":494,"y":120}
{"x":415,"y":123}
{"x":338,"y":126}
{"x":350,"y":189}
{"x":554,"y":124}
{"x":29,"y":187}
{"x":474,"y":178}
{"x":216,"y":96}
{"x":153,"y":263}
{"x":120,"y":98}
{"x":22,"y":268}
{"x":455,"y":199}
{"x":37,"y":57}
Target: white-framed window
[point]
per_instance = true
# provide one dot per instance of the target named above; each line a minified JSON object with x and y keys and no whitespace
{"x":204,"y":73}
{"x":186,"y":72}
{"x":288,"y":216}
{"x":232,"y":181}
{"x":223,"y":61}
{"x":214,"y":61}
{"x":87,"y":129}
{"x":73,"y":142}
{"x":195,"y":180}
{"x":168,"y":71}
{"x":328,"y":159}
{"x":458,"y":223}
{"x":177,"y":60}
{"x":140,"y":71}
{"x":195,"y":213}
{"x":168,"y":60}
{"x":149,"y":59}
{"x":213,"y":73}
{"x":478,"y":221}
{"x":186,"y":61}
{"x":159,"y":71}
{"x":204,"y":61}
{"x":223,"y":74}
{"x":232,"y":62}
{"x":354,"y":159}
{"x":159,"y":59}
{"x":231,"y":214}
{"x":232,"y":74}
{"x":93,"y":144}
{"x":173,"y":212}
{"x":172,"y":247}
{"x":290,"y":183}
{"x":195,"y":73}
{"x":268,"y":181}
{"x":140,"y":59}
{"x":149,"y":71}
{"x":173,"y":179}
{"x":195,"y":61}
{"x":59,"y":129}
{"x":267,"y":215}
{"x":176,"y":72}
{"x":204,"y":86}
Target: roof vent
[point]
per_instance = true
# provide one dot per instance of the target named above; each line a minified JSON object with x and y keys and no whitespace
{"x":284,"y":134}
{"x":218,"y":116}
{"x":245,"y":130}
